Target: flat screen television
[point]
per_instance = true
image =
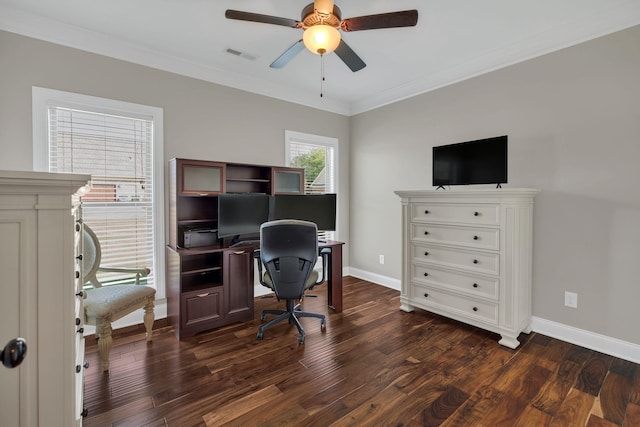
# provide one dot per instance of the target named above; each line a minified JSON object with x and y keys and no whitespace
{"x":241,"y":215}
{"x":318,"y":208}
{"x":483,"y":161}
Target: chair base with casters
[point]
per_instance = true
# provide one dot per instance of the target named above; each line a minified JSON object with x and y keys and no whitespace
{"x":106,"y":304}
{"x":292,"y":314}
{"x":288,"y":251}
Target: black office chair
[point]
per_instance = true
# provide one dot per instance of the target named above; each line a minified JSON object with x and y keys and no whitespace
{"x":289,"y":251}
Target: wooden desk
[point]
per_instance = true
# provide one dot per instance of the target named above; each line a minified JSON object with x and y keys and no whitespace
{"x":334,"y":269}
{"x":212,"y":286}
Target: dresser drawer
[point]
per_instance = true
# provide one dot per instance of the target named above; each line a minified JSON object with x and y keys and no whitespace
{"x":481,"y":262}
{"x":466,"y":283}
{"x":469,"y":307}
{"x":473,"y":237}
{"x":480,"y":214}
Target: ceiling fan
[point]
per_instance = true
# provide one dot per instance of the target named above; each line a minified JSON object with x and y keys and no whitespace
{"x":321,"y":21}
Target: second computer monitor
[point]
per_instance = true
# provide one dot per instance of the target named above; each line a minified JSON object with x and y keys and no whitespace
{"x":318,"y":208}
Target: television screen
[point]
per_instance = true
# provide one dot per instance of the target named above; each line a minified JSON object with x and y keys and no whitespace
{"x":242,"y":214}
{"x":318,"y":208}
{"x":483,"y":161}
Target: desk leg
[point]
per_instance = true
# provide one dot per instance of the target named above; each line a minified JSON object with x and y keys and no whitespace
{"x":334,"y":288}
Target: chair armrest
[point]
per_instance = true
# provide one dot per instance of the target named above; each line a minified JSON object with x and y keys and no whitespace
{"x":139,"y":272}
{"x":256,"y":255}
{"x":324,"y":253}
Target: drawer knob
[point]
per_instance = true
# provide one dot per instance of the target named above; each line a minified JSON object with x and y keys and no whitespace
{"x":476,"y":214}
{"x":77,"y":274}
{"x":77,"y":227}
{"x":426,"y":232}
{"x":203,"y":295}
{"x":426,"y":212}
{"x":80,"y":294}
{"x":475,"y":308}
{"x":79,"y":257}
{"x":80,"y":331}
{"x":475,"y":261}
{"x":78,"y":321}
{"x":475,"y":237}
{"x":475,"y":285}
{"x":426,"y":254}
{"x":426,"y":274}
{"x":426,"y":295}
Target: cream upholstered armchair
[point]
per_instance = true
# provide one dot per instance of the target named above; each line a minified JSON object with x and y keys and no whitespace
{"x":106,"y":304}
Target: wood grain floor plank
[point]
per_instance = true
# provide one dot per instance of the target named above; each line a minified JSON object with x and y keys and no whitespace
{"x":614,"y":397}
{"x":593,"y":373}
{"x":373,"y":365}
{"x":531,"y":417}
{"x":632,"y":417}
{"x":574,"y":411}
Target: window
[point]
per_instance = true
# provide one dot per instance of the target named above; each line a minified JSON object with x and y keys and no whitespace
{"x":318,"y":155}
{"x":116,"y":143}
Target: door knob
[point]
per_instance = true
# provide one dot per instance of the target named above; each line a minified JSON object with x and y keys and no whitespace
{"x":14,"y":352}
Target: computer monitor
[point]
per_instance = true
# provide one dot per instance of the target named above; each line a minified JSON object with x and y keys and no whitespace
{"x":317,"y":208}
{"x":241,"y":214}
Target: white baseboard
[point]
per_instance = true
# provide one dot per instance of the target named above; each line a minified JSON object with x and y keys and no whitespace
{"x":379,"y":279}
{"x":591,"y":340}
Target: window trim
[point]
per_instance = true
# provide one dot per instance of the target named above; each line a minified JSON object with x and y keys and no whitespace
{"x":327,"y":141}
{"x":43,"y":98}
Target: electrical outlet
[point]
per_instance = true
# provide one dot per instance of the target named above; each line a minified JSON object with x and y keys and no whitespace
{"x":381,"y":259}
{"x":571,"y":299}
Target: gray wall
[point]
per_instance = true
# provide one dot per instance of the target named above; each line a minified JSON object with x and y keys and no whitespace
{"x":573,"y":120}
{"x":201,"y":120}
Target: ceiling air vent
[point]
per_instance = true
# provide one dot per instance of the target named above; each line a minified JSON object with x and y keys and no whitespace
{"x":240,"y":54}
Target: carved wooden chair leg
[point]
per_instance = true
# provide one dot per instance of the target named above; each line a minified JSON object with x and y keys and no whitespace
{"x":103,"y":331}
{"x":149,"y":317}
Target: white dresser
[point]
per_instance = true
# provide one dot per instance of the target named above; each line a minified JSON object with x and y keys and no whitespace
{"x":467,"y":255}
{"x":41,"y":300}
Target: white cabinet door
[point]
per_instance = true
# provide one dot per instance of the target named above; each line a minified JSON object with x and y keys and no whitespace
{"x":18,"y":304}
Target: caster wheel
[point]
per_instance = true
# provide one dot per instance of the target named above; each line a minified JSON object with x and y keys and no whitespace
{"x":301,"y":340}
{"x":323,"y":324}
{"x":260,"y":335}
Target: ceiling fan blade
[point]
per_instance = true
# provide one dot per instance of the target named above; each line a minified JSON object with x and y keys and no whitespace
{"x":349,"y":57}
{"x":288,"y":55}
{"x":405,"y":18}
{"x":256,"y":17}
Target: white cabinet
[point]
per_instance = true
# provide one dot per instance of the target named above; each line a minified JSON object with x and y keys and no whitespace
{"x":40,"y":282}
{"x":467,"y":255}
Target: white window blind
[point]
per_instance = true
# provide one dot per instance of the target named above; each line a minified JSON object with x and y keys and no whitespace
{"x":117,"y":152}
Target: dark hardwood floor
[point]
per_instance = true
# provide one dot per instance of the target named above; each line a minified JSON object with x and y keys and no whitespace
{"x":374,"y":365}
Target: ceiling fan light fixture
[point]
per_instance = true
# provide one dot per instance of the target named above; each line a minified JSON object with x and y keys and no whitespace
{"x":321,"y":39}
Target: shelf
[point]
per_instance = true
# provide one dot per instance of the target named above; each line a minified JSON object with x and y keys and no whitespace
{"x":199,"y":250}
{"x":195,"y":221}
{"x":201,"y":270}
{"x":248,"y":180}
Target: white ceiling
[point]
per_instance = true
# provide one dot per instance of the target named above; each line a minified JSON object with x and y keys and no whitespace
{"x":453,"y":40}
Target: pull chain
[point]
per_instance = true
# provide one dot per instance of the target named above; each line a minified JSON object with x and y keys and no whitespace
{"x":321,"y":74}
